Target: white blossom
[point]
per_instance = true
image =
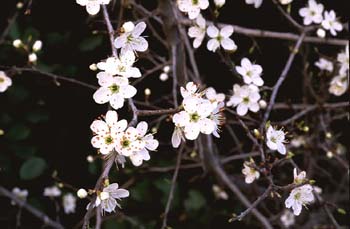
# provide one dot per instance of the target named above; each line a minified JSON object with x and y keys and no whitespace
{"x":52,"y":191}
{"x":108,"y":198}
{"x":198,"y":31}
{"x":324,"y":64}
{"x":131,"y":39}
{"x":256,"y":3}
{"x":287,"y":218}
{"x":69,"y":203}
{"x":192,"y":7}
{"x":114,"y":89}
{"x":331,"y":23}
{"x":17,"y":43}
{"x":105,"y":132}
{"x":32,"y":57}
{"x":275,"y":140}
{"x":299,"y":178}
{"x":21,"y":194}
{"x":299,"y":197}
{"x":92,"y":6}
{"x":245,"y":98}
{"x":312,"y":13}
{"x":249,"y":172}
{"x":321,"y":33}
{"x":5,"y":81}
{"x":220,"y":37}
{"x":339,"y":85}
{"x":251,"y":73}
{"x":122,"y":66}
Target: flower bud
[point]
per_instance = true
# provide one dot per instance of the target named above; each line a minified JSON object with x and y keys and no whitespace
{"x":262,"y":104}
{"x":164,"y":77}
{"x":32,"y":58}
{"x":219,"y":3}
{"x":17,"y":43}
{"x":285,"y":2}
{"x":128,"y":26}
{"x":82,"y":193}
{"x":321,"y":33}
{"x":90,"y":159}
{"x":93,"y":67}
{"x":148,"y":92}
{"x":19,"y":5}
{"x":37,"y":46}
{"x":166,"y":69}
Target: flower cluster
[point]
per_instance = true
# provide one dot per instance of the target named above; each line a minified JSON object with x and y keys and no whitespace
{"x":68,"y":199}
{"x":314,"y":13}
{"x":301,"y":195}
{"x":22,"y":194}
{"x":31,"y":49}
{"x":113,"y":135}
{"x":192,"y":7}
{"x":247,"y":97}
{"x":201,"y":114}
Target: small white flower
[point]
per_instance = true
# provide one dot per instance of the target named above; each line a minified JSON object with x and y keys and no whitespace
{"x":108,"y":198}
{"x":339,"y":85}
{"x":69,"y":203}
{"x":164,"y":77}
{"x":105,"y":132}
{"x":32,"y":58}
{"x":245,"y":98}
{"x":17,"y":43}
{"x":166,"y":69}
{"x":221,"y":37}
{"x":37,"y":46}
{"x":297,"y":142}
{"x":114,"y":89}
{"x":257,"y":3}
{"x":343,"y":59}
{"x":5,"y":81}
{"x":324,"y":64}
{"x":312,"y":13}
{"x":219,"y":3}
{"x":299,"y":178}
{"x":21,"y":194}
{"x":131,"y":39}
{"x":52,"y":191}
{"x":198,"y":31}
{"x":287,"y":218}
{"x":251,"y":72}
{"x":121,"y":66}
{"x":299,"y":197}
{"x":192,"y":7}
{"x":92,"y":6}
{"x":82,"y":193}
{"x":275,"y":140}
{"x":250,"y":173}
{"x":331,"y":23}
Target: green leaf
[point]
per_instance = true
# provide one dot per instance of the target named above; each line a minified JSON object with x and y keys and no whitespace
{"x":195,"y":201}
{"x":18,"y":132}
{"x":32,"y":168}
{"x":37,"y":116}
{"x":90,"y":43}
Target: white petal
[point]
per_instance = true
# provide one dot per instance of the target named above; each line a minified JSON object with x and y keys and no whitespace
{"x":242,"y":109}
{"x":139,"y":28}
{"x":128,"y":91}
{"x":213,"y":44}
{"x":102,"y":95}
{"x":228,"y":44}
{"x":116,"y":101}
{"x":281,"y":149}
{"x":176,"y":138}
{"x":111,"y":118}
{"x":226,"y":31}
{"x":142,"y":128}
{"x":140,"y":44}
{"x":212,"y":31}
{"x":92,"y":7}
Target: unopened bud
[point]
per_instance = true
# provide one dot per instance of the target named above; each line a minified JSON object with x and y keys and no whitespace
{"x":32,"y":58}
{"x":37,"y":46}
{"x":90,"y":158}
{"x":17,"y":43}
{"x":82,"y":193}
{"x":262,"y":104}
{"x":148,"y":92}
{"x":321,"y":33}
{"x":93,"y":67}
{"x":128,"y":26}
{"x":166,"y":69}
{"x":164,"y":77}
{"x":19,"y":5}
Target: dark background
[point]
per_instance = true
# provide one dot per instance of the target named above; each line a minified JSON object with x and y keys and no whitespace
{"x":59,"y":131}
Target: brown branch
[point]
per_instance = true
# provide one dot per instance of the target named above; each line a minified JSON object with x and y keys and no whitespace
{"x":40,"y":215}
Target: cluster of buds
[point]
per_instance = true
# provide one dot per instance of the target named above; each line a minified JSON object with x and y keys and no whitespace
{"x":31,"y":50}
{"x":164,"y":76}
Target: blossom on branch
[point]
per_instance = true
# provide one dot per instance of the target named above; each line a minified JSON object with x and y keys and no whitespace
{"x":331,"y":23}
{"x":245,"y":98}
{"x":21,"y":194}
{"x":192,"y":7}
{"x":249,"y":172}
{"x":92,"y":6}
{"x":130,"y":39}
{"x":220,"y":37}
{"x":5,"y":81}
{"x":69,"y":203}
{"x":275,"y":140}
{"x":251,"y":73}
{"x":198,"y":31}
{"x":312,"y":13}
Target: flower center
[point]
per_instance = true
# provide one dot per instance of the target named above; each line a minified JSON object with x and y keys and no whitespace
{"x":125,"y":143}
{"x":273,"y":139}
{"x":246,"y":100}
{"x":114,"y":88}
{"x":297,"y":196}
{"x":195,"y":2}
{"x":2,"y":80}
{"x":108,"y":140}
{"x":219,"y":38}
{"x":194,"y":117}
{"x":129,"y":38}
{"x":313,"y":13}
{"x":249,"y":73}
